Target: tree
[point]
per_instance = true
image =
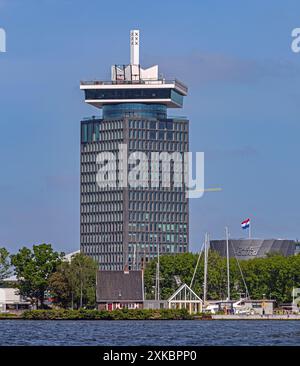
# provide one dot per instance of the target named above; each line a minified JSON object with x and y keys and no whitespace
{"x":60,"y":287}
{"x":33,"y":269}
{"x":4,"y":264}
{"x":74,"y":283}
{"x":273,"y":277}
{"x":83,"y":279}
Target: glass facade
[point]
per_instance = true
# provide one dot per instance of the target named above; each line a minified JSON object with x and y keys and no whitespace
{"x":149,"y":93}
{"x":140,"y":110}
{"x":129,"y":225}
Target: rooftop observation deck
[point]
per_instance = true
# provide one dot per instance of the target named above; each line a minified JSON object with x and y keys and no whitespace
{"x":142,"y":83}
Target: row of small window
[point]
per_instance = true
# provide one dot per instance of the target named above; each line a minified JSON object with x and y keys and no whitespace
{"x":96,"y":131}
{"x":158,"y":217}
{"x":158,"y":238}
{"x":103,"y":197}
{"x":110,"y":266}
{"x":107,"y":136}
{"x":92,"y":187}
{"x":90,"y":218}
{"x":116,"y":227}
{"x":158,"y":135}
{"x":101,"y":146}
{"x":89,"y":178}
{"x":147,"y":170}
{"x":158,"y":206}
{"x":115,"y":260}
{"x":161,"y":125}
{"x":114,"y":197}
{"x":103,"y":248}
{"x":156,"y":196}
{"x":141,"y":145}
{"x":156,"y":227}
{"x":93,"y":167}
{"x":143,"y":179}
{"x":111,"y":125}
{"x":153,"y":158}
{"x":88,"y":238}
{"x":157,"y":146}
{"x":143,"y":252}
{"x":89,"y":151}
{"x":135,"y":250}
{"x":102,"y":183}
{"x":96,"y":199}
{"x":101,"y":207}
{"x":103,"y":125}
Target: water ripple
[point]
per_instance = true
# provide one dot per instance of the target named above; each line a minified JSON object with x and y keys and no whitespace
{"x":164,"y":333}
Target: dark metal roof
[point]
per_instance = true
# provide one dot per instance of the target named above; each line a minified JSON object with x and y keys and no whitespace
{"x":120,"y":286}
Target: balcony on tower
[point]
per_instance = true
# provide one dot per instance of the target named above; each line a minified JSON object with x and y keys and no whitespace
{"x":133,"y":84}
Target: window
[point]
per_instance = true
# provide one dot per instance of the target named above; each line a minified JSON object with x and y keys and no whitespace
{"x":153,"y":125}
{"x":84,"y":132}
{"x":161,"y":135}
{"x":152,"y":135}
{"x":162,"y":125}
{"x":169,"y":135}
{"x":169,"y":125}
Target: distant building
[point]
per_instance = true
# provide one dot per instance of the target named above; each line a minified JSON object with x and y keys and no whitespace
{"x":241,"y":307}
{"x":261,"y":307}
{"x":254,"y":248}
{"x":68,"y":257}
{"x":120,"y":289}
{"x":125,"y":289}
{"x":11,"y":279}
{"x":11,"y":301}
{"x":155,"y":304}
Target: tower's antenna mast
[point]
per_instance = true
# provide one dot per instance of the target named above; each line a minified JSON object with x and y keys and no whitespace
{"x":135,"y":47}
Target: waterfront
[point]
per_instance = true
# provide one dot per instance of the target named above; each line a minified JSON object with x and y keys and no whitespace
{"x":163,"y":333}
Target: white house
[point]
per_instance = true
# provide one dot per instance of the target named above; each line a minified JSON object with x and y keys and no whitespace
{"x":11,"y":301}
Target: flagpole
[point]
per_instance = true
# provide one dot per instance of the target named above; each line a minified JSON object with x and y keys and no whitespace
{"x":250,"y":229}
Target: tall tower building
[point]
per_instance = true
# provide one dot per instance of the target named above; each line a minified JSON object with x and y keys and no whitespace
{"x":123,"y":224}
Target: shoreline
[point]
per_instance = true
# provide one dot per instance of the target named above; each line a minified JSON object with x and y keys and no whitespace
{"x":256,"y":317}
{"x":211,"y":317}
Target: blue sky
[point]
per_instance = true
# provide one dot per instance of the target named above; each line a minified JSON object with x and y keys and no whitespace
{"x":243,"y":106}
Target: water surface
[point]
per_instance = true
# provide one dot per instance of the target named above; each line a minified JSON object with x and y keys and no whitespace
{"x":146,"y":333}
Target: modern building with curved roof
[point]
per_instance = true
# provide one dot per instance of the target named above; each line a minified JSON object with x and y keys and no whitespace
{"x":254,"y":248}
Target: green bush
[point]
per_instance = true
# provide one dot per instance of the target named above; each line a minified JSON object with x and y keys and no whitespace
{"x":122,"y":314}
{"x":8,"y":315}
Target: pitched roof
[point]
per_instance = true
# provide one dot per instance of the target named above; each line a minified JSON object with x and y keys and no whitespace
{"x":184,"y":293}
{"x":120,"y":286}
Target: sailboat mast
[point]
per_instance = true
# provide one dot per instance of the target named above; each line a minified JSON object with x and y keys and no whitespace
{"x":158,"y":269}
{"x":205,"y":268}
{"x":134,"y":258}
{"x":228,"y":269}
{"x":157,"y":287}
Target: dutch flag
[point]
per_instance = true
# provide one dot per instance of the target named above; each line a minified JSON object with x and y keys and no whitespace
{"x":245,"y":224}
